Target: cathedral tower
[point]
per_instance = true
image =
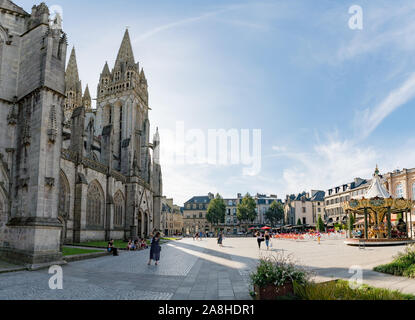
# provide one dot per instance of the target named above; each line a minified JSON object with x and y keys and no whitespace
{"x":34,"y":43}
{"x":123,"y":103}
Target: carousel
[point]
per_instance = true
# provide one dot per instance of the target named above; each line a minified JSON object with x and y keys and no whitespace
{"x":381,"y":219}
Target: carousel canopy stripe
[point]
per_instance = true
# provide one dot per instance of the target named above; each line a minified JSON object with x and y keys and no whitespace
{"x":376,"y":204}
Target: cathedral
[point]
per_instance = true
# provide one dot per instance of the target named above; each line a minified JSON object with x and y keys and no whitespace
{"x":70,"y":173}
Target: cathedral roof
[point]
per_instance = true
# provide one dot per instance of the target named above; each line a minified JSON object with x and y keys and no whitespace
{"x":6,"y":4}
{"x":125,"y":54}
{"x":72,"y":75}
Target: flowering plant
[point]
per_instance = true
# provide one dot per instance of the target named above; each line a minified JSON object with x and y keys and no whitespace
{"x":278,"y":270}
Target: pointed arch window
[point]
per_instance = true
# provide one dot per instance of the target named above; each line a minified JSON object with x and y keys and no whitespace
{"x":118,"y":209}
{"x":64,"y":196}
{"x":2,"y":210}
{"x":413,"y":191}
{"x":95,"y":205}
{"x":2,"y":39}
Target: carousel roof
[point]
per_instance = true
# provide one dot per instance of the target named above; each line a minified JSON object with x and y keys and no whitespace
{"x":377,"y":189}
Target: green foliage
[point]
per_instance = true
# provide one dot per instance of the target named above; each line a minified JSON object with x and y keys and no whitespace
{"x":340,"y":226}
{"x":216,"y":210}
{"x":299,"y":222}
{"x":341,"y":290}
{"x":70,"y":251}
{"x":104,"y":244}
{"x":278,"y":270}
{"x":402,"y":265}
{"x":275,"y":213}
{"x":246,"y":209}
{"x":351,"y":222}
{"x":320,"y":224}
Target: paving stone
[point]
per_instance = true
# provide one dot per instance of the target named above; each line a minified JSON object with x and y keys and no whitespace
{"x":182,"y":276}
{"x":225,"y":293}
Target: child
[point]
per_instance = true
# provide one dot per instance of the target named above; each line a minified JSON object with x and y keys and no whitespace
{"x":143,"y":243}
{"x":134,"y":246}
{"x":129,"y":245}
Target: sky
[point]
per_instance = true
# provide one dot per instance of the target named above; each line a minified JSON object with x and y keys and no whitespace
{"x":330,"y":102}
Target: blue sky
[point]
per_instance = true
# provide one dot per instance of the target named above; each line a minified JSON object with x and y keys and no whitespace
{"x":331,"y":102}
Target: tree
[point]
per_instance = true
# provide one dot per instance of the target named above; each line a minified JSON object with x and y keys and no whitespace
{"x":275,"y":213}
{"x":351,"y":222}
{"x":216,"y":210}
{"x":246,"y":209}
{"x":320,"y":224}
{"x":299,"y":222}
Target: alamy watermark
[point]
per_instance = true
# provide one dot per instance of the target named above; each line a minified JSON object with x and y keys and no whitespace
{"x":56,"y":281}
{"x":356,"y":20}
{"x":219,"y":147}
{"x":356,"y":281}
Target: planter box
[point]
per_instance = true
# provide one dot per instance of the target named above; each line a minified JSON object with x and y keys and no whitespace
{"x":271,"y":292}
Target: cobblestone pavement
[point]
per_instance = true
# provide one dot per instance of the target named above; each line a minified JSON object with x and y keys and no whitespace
{"x":196,"y":270}
{"x":187,"y":270}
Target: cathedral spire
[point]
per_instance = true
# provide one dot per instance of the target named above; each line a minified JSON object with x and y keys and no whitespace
{"x":125,"y":54}
{"x":143,"y":78}
{"x":87,"y":95}
{"x":73,"y":86}
{"x":87,"y":99}
{"x":72,"y":75}
{"x":106,"y":71}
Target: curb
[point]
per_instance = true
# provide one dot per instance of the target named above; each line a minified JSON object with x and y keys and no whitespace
{"x":9,"y":270}
{"x":85,"y":256}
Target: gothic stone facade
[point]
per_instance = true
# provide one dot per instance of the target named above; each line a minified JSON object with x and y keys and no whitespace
{"x":69,"y":173}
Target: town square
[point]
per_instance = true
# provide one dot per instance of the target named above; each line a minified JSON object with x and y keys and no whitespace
{"x":207,"y":151}
{"x":199,"y":270}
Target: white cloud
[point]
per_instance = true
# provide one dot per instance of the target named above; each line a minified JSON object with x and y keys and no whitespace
{"x":175,"y":24}
{"x":183,"y":182}
{"x":279,"y":148}
{"x":339,"y":161}
{"x":386,"y":26}
{"x":370,"y":119}
{"x":328,"y":164}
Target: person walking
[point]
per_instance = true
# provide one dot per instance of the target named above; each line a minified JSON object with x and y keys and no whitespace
{"x":267,"y":237}
{"x":220,"y":239}
{"x":259,"y":239}
{"x":155,"y":249}
{"x":318,"y":237}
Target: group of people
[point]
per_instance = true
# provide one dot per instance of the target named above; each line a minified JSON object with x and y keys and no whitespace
{"x":137,"y":244}
{"x":261,"y":237}
{"x":199,"y":235}
{"x":155,"y":247}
